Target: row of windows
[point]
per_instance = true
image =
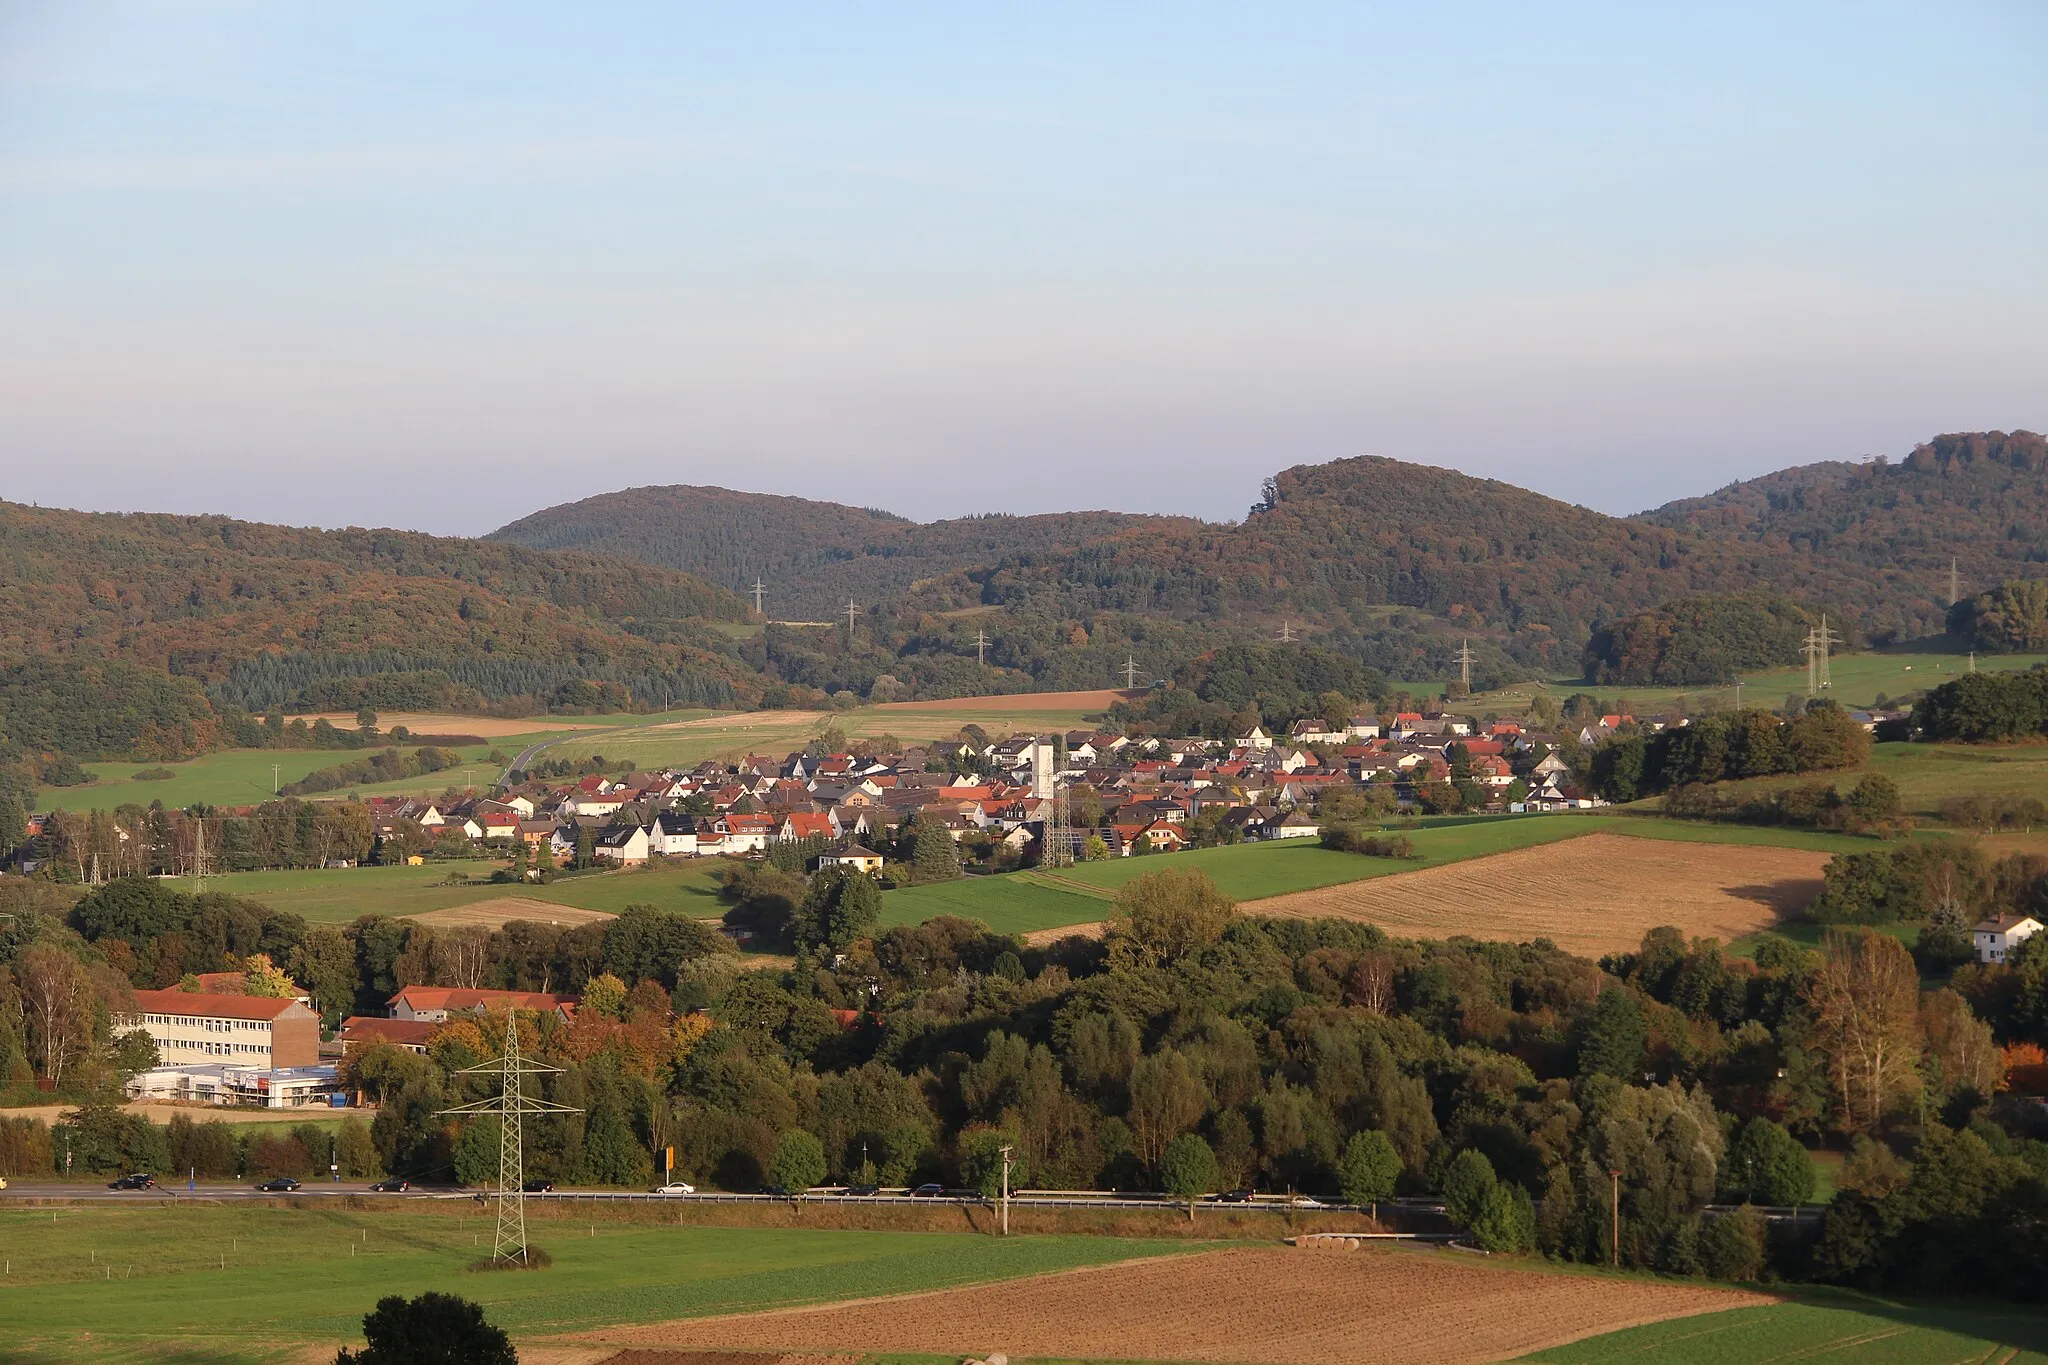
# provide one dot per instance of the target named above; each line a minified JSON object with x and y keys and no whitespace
{"x":217,"y":1049}
{"x":199,"y":1021}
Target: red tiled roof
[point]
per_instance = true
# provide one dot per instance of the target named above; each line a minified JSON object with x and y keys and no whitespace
{"x":456,"y":998}
{"x":212,"y":1006}
{"x":363,"y":1028}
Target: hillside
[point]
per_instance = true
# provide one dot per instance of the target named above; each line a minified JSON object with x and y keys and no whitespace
{"x":812,"y":556}
{"x":210,"y":597}
{"x":1979,"y":497}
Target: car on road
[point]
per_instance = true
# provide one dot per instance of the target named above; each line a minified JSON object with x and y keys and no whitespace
{"x":1303,"y":1201}
{"x":862,"y":1191}
{"x":137,"y":1181}
{"x":539,"y":1187}
{"x":674,"y":1187}
{"x":1233,"y":1197}
{"x":391,"y":1187}
{"x":283,"y":1184}
{"x":929,"y":1192}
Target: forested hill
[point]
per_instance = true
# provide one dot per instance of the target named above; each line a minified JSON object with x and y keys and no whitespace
{"x":1979,"y":497}
{"x":812,"y":556}
{"x":200,"y":596}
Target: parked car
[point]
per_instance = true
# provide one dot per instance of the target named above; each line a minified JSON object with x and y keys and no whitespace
{"x":283,"y":1184}
{"x":1233,"y":1197}
{"x":929,"y":1192}
{"x":539,"y":1187}
{"x":863,"y":1190}
{"x":137,"y":1181}
{"x":391,"y":1187}
{"x":673,"y":1187}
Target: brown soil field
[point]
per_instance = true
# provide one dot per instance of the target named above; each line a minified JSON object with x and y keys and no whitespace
{"x":436,"y":723}
{"x":1259,"y":1305}
{"x":499,"y":911}
{"x":1592,"y":895}
{"x":1100,"y":699}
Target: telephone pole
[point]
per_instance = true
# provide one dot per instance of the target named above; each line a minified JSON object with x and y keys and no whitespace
{"x":758,"y":590}
{"x":1006,"y":1190}
{"x":273,"y":778}
{"x":1130,"y":671}
{"x":1463,"y":659}
{"x":981,"y":647}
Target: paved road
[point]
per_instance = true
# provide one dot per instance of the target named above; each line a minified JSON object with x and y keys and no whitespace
{"x":206,"y":1189}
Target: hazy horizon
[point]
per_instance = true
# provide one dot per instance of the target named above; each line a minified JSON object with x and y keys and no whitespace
{"x":441,"y":269}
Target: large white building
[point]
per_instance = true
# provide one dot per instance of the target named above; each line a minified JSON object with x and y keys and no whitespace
{"x":245,"y":1030}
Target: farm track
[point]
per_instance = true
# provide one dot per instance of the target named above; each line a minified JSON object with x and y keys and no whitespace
{"x":1258,"y":1305}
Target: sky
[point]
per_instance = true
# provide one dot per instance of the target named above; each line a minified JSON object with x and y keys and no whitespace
{"x":438,"y":265}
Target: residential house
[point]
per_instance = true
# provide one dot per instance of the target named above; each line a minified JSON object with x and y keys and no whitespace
{"x":1995,"y":938}
{"x":622,"y":844}
{"x":434,"y":1004}
{"x":865,"y":859}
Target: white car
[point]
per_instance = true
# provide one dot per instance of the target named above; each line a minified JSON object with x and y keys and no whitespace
{"x":1302,"y":1201}
{"x":674,"y":1187}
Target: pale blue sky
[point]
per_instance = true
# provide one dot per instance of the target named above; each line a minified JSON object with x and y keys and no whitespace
{"x":438,"y":265}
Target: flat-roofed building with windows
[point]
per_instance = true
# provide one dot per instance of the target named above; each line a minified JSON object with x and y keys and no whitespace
{"x":245,"y":1030}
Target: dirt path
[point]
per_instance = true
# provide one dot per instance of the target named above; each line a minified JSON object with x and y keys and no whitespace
{"x":1260,"y":1305}
{"x":1592,"y":895}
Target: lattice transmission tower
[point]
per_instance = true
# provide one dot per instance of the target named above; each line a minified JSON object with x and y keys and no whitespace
{"x":1818,"y":641}
{"x":511,"y":1106}
{"x":1464,"y":659}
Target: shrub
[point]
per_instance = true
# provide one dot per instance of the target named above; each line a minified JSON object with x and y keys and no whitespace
{"x":433,"y":1329}
{"x":1506,"y":1220}
{"x":1731,"y":1247}
{"x":154,"y":775}
{"x":799,"y":1162}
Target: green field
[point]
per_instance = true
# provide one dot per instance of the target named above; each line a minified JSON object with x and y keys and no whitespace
{"x":1014,"y":903}
{"x":1832,"y":1327}
{"x":1927,"y":774}
{"x":1859,"y":679}
{"x":338,"y":895}
{"x":100,"y":1283}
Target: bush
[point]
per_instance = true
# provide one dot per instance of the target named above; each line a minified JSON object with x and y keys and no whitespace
{"x":799,"y":1162}
{"x":154,"y":775}
{"x":433,"y":1329}
{"x":1506,"y":1220}
{"x":1731,"y":1247}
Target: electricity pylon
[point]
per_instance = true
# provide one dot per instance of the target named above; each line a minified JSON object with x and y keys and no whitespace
{"x":1818,"y":641}
{"x":852,"y":610}
{"x":981,"y":647}
{"x":511,"y":1105}
{"x":1130,"y":671}
{"x":1464,"y":660}
{"x":758,"y":590}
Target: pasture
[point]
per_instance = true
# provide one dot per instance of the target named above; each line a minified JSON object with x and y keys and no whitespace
{"x":338,"y":895}
{"x":1821,"y":1326}
{"x":236,"y":1283}
{"x":1927,"y":774}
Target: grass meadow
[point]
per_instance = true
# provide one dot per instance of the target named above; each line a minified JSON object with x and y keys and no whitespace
{"x":338,"y":895}
{"x":1826,"y":1327}
{"x":1927,"y":774}
{"x":233,"y":1283}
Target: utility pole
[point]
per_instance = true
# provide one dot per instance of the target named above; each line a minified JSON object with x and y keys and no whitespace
{"x":981,"y":647}
{"x":1130,"y":671}
{"x":199,"y":852}
{"x":851,"y":611}
{"x":273,"y":777}
{"x":1738,"y":694}
{"x":1973,"y":661}
{"x":1463,"y":659}
{"x":1955,"y":588}
{"x":758,"y":590}
{"x":1006,"y":1191}
{"x":1614,"y":1250}
{"x":1286,"y":633}
{"x":512,"y":1103}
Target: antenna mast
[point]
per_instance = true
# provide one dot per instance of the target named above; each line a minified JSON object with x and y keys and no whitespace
{"x":510,"y":1105}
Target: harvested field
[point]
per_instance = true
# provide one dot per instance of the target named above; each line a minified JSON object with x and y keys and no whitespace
{"x":1263,"y":1305}
{"x":1101,"y":699}
{"x":499,"y":911}
{"x":1591,"y":895}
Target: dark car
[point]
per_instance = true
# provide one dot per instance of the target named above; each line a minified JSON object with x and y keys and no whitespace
{"x":1233,"y":1197}
{"x":138,"y":1181}
{"x":391,"y":1187}
{"x":929,"y":1192}
{"x":776,"y":1190}
{"x":539,"y":1187}
{"x":863,"y":1190}
{"x":284,"y":1184}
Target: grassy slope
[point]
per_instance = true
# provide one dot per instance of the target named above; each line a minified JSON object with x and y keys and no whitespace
{"x":1927,"y":774}
{"x":291,"y":1278}
{"x":1827,"y":1327}
{"x":336,"y":896}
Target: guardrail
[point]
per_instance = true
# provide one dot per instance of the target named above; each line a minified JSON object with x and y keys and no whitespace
{"x":1044,"y":1199}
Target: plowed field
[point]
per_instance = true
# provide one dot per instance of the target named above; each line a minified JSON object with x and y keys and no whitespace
{"x":1264,"y":1305}
{"x":1592,"y":895}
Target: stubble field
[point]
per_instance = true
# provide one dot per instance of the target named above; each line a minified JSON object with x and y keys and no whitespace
{"x":1591,"y":895}
{"x":1261,"y":1305}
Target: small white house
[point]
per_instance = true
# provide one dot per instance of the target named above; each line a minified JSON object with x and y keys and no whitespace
{"x":1995,"y":938}
{"x":621,"y":844}
{"x":864,"y":859}
{"x":673,"y":835}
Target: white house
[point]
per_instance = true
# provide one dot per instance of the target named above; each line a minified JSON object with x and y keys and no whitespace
{"x":621,"y":844}
{"x":865,"y":859}
{"x":1995,"y":938}
{"x":673,"y":835}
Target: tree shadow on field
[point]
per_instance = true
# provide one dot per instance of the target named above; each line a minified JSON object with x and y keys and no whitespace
{"x":2009,"y":1324}
{"x":1789,"y":897}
